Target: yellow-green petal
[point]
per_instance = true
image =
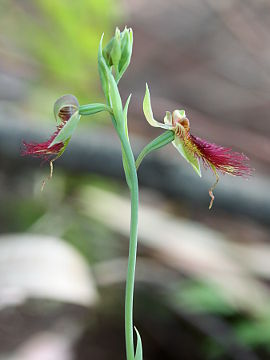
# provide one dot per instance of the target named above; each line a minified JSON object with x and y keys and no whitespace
{"x":187,"y":155}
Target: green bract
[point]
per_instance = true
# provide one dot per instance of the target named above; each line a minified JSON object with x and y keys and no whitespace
{"x":139,"y":351}
{"x":178,"y":142}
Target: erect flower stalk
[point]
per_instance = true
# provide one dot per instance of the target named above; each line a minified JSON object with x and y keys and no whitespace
{"x":119,"y":120}
{"x":113,"y":61}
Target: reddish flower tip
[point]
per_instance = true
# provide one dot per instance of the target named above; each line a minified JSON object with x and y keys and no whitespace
{"x":42,"y":150}
{"x":224,"y":159}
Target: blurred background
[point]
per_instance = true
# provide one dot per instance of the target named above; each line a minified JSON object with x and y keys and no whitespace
{"x":202,"y":287}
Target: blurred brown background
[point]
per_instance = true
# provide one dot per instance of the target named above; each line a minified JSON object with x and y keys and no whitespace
{"x":202,"y":288}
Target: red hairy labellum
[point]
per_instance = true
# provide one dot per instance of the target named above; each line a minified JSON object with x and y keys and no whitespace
{"x":223,"y":159}
{"x":215,"y":157}
{"x":42,"y":150}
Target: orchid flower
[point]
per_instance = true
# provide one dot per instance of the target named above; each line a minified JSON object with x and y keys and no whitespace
{"x":65,"y":108}
{"x":193,"y":149}
{"x":66,"y":112}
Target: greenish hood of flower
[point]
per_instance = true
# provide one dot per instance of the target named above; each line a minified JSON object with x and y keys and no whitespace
{"x":64,"y":107}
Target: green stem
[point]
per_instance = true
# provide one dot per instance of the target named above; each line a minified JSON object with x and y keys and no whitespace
{"x":132,"y":248}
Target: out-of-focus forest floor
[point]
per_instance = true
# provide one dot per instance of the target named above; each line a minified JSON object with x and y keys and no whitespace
{"x":203,"y":276}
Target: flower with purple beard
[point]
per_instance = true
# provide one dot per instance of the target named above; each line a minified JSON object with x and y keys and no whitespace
{"x":224,"y":159}
{"x":194,"y":149}
{"x":64,"y":108}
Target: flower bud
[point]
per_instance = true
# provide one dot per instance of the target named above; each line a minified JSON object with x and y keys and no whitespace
{"x":116,"y":49}
{"x":117,"y":52}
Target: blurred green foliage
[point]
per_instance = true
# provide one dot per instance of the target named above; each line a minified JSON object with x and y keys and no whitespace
{"x":202,"y":297}
{"x":254,"y":332}
{"x":58,"y":39}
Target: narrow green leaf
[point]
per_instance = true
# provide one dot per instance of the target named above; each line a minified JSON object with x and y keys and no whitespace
{"x":187,"y":155}
{"x":139,"y":350}
{"x":68,"y":129}
{"x":148,"y":113}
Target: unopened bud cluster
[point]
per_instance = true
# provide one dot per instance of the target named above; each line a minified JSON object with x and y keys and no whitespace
{"x":117,"y":52}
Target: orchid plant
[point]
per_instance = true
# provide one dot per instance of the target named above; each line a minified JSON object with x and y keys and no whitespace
{"x":113,"y":60}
